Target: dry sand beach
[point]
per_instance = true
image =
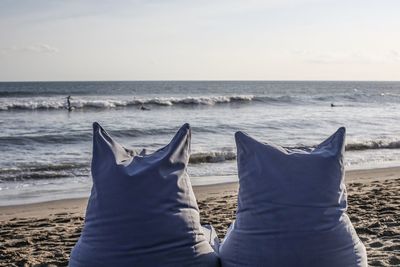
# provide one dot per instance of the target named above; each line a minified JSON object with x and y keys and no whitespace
{"x":43,"y":234}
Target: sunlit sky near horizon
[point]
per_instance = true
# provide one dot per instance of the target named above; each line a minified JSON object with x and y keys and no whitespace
{"x":199,"y":40}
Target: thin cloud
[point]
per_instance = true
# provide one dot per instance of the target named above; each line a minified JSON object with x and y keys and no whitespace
{"x":394,"y":55}
{"x":37,"y":48}
{"x":340,"y":57}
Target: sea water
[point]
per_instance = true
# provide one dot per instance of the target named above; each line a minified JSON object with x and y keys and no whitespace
{"x":45,"y":150}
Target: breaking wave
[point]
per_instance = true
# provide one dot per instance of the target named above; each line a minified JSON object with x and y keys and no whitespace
{"x":43,"y":104}
{"x":373,"y":145}
{"x":212,"y":157}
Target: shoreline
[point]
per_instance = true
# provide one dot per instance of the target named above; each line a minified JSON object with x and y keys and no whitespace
{"x":78,"y":205}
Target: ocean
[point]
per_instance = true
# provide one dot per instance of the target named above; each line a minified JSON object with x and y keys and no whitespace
{"x":45,"y":150}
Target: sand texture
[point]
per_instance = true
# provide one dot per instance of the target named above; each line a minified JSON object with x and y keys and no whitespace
{"x":43,"y":234}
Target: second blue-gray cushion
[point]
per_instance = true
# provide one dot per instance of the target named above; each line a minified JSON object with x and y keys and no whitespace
{"x":291,"y":208}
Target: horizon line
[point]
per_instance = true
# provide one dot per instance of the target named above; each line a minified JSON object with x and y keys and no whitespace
{"x":212,"y":80}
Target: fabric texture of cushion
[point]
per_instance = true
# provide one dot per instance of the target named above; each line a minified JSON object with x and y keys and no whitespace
{"x":142,"y":210}
{"x":291,"y":208}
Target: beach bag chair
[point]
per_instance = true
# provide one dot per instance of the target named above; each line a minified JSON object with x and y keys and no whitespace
{"x":142,"y":210}
{"x":291,"y":208}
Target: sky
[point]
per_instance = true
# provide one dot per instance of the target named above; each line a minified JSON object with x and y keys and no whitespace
{"x":63,"y":40}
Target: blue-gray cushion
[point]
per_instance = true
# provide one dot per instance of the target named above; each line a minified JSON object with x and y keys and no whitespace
{"x":142,"y":210}
{"x":291,"y":208}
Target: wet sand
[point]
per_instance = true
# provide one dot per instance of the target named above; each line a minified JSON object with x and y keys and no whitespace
{"x":43,"y":234}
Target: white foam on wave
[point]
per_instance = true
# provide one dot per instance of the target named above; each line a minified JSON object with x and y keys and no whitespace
{"x":49,"y":103}
{"x":31,"y":104}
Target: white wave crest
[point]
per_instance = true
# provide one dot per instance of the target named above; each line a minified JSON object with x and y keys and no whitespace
{"x":49,"y":103}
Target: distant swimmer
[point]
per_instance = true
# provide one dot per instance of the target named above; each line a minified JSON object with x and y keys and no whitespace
{"x":69,"y":107}
{"x":336,"y":105}
{"x":142,"y":107}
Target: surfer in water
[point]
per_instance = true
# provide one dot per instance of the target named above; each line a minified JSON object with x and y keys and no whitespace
{"x":69,"y":107}
{"x":142,"y":107}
